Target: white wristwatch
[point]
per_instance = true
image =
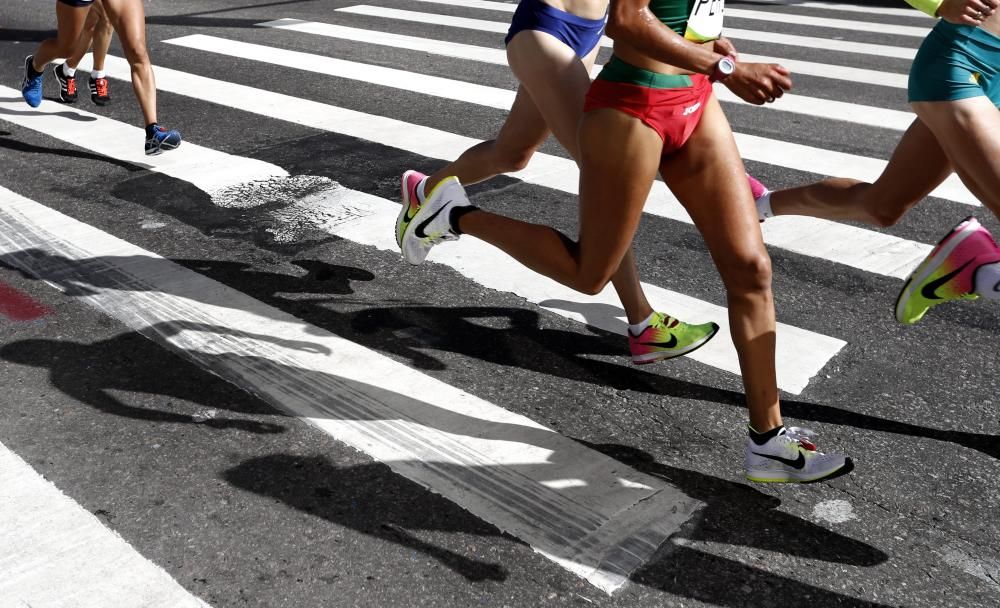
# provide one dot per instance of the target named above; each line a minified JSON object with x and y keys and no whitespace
{"x":723,"y":69}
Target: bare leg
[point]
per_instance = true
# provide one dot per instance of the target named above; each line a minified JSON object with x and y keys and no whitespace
{"x":70,"y":21}
{"x":619,"y":161}
{"x":129,"y":20}
{"x":969,"y":132}
{"x":707,"y":175}
{"x":102,"y":36}
{"x":917,"y":166}
{"x":86,"y":37}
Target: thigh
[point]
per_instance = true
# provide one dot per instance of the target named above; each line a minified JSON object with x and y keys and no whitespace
{"x":129,"y":20}
{"x":918,"y":165}
{"x":708,"y":177}
{"x":968,"y":130}
{"x":525,"y":128}
{"x":619,"y":159}
{"x":70,"y":21}
{"x":556,"y":79}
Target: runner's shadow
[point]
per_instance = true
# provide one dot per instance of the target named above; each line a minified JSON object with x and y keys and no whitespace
{"x":25,"y":147}
{"x":70,"y":115}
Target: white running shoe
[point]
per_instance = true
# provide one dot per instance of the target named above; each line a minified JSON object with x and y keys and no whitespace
{"x":431,"y":224}
{"x":791,"y":457}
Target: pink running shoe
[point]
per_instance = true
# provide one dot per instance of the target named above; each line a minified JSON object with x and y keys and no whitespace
{"x":948,"y":272}
{"x":756,"y":188}
{"x":411,"y":202}
{"x":666,"y":338}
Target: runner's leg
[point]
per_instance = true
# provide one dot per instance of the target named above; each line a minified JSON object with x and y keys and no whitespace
{"x":917,"y":166}
{"x":708,"y":177}
{"x":102,"y":37}
{"x":70,"y":21}
{"x":129,"y":20}
{"x":86,"y":37}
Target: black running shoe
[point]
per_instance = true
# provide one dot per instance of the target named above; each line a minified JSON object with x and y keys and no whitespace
{"x":67,"y":84}
{"x":99,"y":91}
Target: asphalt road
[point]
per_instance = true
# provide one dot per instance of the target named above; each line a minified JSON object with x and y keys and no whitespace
{"x":243,"y":504}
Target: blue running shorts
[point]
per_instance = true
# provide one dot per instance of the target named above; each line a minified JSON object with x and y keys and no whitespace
{"x":77,"y":3}
{"x":956,"y":62}
{"x":579,"y":34}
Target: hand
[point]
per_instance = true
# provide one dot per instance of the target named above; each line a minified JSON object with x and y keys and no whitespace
{"x":725,"y":46}
{"x":759,"y":83}
{"x":967,"y":12}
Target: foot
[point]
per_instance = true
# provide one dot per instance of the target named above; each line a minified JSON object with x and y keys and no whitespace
{"x":431,"y":223}
{"x":67,"y":84}
{"x":666,"y":338}
{"x":411,"y":202}
{"x":160,"y":139}
{"x":948,"y":272}
{"x":31,"y":86}
{"x":759,"y":192}
{"x":100,"y":93}
{"x":791,"y":457}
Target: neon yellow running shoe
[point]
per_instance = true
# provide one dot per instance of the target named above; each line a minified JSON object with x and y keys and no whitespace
{"x":667,"y":337}
{"x":948,"y":272}
{"x":408,"y":186}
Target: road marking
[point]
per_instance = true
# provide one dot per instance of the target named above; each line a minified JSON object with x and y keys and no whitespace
{"x":739,"y":13}
{"x":54,"y":553}
{"x":210,"y":170}
{"x":852,"y":8}
{"x":492,"y":462}
{"x":856,"y":247}
{"x":843,"y":46}
{"x":503,"y":98}
{"x":499,"y":57}
{"x":19,"y":306}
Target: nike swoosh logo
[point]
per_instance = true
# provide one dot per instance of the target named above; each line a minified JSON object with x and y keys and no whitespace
{"x":419,"y":231}
{"x":672,"y":342}
{"x":798,"y":463}
{"x":930,"y":290}
{"x":996,"y":287}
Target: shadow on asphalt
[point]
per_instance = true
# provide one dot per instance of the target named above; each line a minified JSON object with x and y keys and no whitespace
{"x":24,"y":147}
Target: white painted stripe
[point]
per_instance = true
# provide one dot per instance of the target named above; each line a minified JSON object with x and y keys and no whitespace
{"x":482,"y":25}
{"x":863,"y":249}
{"x":374,"y":74}
{"x":492,"y":462}
{"x":210,"y":170}
{"x":738,"y":13}
{"x":499,"y":57}
{"x":801,"y":356}
{"x":775,"y":152}
{"x":825,"y":22}
{"x":398,"y":41}
{"x":55,"y":553}
{"x":856,"y":8}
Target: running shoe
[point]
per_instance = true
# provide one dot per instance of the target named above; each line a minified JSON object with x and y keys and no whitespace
{"x":431,"y":223}
{"x":31,"y":86}
{"x":411,"y":202}
{"x":758,"y":190}
{"x":100,"y":93}
{"x":67,"y":84}
{"x":160,"y":139}
{"x":948,"y":272}
{"x":666,"y":338}
{"x":791,"y":457}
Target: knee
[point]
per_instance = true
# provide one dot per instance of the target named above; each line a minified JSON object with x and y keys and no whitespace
{"x":747,"y":273}
{"x":592,"y":285}
{"x":511,"y":160}
{"x":135,"y":51}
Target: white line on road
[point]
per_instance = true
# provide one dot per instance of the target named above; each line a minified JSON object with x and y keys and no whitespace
{"x":843,"y":46}
{"x":498,"y":465}
{"x":55,"y":553}
{"x":800,"y":356}
{"x":859,"y":248}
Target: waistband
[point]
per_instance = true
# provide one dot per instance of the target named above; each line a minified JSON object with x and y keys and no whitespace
{"x":547,"y":9}
{"x":970,"y":32}
{"x":617,"y":70}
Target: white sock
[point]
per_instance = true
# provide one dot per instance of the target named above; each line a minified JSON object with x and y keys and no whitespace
{"x":68,"y":71}
{"x":988,"y":281}
{"x":97,"y":74}
{"x":641,"y":326}
{"x":764,"y":206}
{"x":420,"y":190}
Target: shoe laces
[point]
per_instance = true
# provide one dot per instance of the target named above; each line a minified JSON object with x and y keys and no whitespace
{"x":802,"y":436}
{"x":101,"y":84}
{"x":71,"y":86}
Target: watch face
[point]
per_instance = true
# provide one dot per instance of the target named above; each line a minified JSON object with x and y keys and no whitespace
{"x":727,"y":65}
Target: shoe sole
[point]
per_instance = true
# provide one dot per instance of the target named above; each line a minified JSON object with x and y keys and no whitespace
{"x":844,"y":469}
{"x":414,"y":221}
{"x":405,"y":196}
{"x":162,"y":148}
{"x":673,"y":354}
{"x":941,"y":252}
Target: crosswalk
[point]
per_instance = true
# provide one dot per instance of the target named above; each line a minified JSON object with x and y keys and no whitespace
{"x":575,"y":506}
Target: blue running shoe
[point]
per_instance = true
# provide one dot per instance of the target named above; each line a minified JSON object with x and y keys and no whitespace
{"x":31,"y":87}
{"x":160,"y":139}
